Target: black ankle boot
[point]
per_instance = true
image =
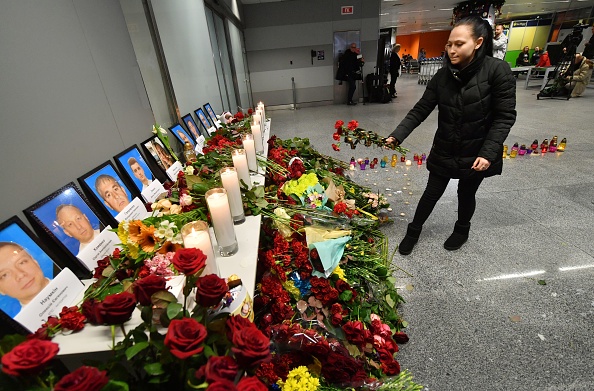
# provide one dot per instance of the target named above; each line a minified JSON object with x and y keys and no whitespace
{"x":408,"y":243}
{"x":458,"y":237}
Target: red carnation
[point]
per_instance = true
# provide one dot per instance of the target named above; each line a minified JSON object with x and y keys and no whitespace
{"x":335,"y":147}
{"x":353,"y":125}
{"x":336,"y":136}
{"x":338,"y":124}
{"x":72,"y":319}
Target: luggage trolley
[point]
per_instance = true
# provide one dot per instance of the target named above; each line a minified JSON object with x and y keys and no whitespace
{"x":429,"y":68}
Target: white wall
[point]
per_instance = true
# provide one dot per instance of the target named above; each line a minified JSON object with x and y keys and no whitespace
{"x":71,"y":95}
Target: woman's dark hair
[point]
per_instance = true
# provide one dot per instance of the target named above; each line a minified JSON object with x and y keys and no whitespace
{"x":480,"y":28}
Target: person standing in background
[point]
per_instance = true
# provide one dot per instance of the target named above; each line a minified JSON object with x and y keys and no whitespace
{"x":395,"y":65}
{"x":499,"y":43}
{"x":351,"y":62}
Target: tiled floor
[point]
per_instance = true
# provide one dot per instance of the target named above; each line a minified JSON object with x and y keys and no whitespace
{"x":478,"y":317}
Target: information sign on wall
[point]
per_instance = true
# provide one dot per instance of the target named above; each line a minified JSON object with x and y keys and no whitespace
{"x":346,"y":10}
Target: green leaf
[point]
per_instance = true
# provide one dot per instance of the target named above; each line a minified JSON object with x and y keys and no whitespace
{"x":114,"y":385}
{"x":390,"y":301}
{"x":161,"y":299}
{"x":391,"y":280}
{"x":208,"y":352}
{"x":154,"y":369}
{"x":137,"y":348}
{"x":542,"y":282}
{"x":173,"y":310}
{"x":346,"y":295}
{"x":139,"y":336}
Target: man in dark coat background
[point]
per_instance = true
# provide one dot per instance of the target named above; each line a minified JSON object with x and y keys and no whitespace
{"x":351,"y":64}
{"x":395,"y":65}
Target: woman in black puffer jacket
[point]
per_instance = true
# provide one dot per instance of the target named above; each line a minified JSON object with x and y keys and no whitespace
{"x":476,"y":97}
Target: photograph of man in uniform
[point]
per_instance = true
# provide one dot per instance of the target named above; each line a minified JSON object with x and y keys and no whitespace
{"x":210,"y":112}
{"x":76,"y":224}
{"x":203,"y":119}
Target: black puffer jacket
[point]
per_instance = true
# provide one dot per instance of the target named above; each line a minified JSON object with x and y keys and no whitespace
{"x":476,"y":112}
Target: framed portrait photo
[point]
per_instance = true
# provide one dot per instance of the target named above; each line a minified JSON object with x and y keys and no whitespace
{"x":211,"y":113}
{"x":107,"y":189}
{"x":21,"y":251}
{"x":202,"y":118}
{"x":191,"y":126}
{"x":68,"y":219}
{"x":157,"y":155}
{"x":32,"y":285}
{"x":181,"y":135}
{"x":132,"y":163}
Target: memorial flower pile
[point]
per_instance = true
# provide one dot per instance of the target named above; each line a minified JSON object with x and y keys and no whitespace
{"x":325,"y":303}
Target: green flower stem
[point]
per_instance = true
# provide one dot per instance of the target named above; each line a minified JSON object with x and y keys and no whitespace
{"x":41,"y":382}
{"x":113,"y":336}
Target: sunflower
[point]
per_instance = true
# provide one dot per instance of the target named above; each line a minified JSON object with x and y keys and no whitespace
{"x":169,"y":247}
{"x":147,"y":239}
{"x":135,"y":230}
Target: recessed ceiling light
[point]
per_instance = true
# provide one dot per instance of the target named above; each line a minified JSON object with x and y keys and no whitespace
{"x":385,"y":13}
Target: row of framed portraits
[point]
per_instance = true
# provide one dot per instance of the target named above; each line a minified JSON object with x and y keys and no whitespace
{"x":192,"y":133}
{"x":40,"y":272}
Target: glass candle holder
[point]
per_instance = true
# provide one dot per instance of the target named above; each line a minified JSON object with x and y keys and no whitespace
{"x":241,"y":165}
{"x":197,"y":235}
{"x":250,"y":151}
{"x":230,"y":182}
{"x":222,"y":222}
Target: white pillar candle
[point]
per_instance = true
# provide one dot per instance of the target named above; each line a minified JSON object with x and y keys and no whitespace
{"x":257,"y":133}
{"x":250,"y":151}
{"x":256,"y":117}
{"x":231,"y":184}
{"x":196,"y":235}
{"x":262,"y":122}
{"x":241,"y":165}
{"x":408,"y":162}
{"x":222,"y":222}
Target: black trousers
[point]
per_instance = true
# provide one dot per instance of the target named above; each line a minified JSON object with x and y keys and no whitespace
{"x":352,"y":86}
{"x":436,"y":186}
{"x":393,"y":78}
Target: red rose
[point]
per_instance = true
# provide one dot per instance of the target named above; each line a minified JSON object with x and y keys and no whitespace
{"x":400,"y":337}
{"x":354,"y":332}
{"x":338,"y":124}
{"x":145,"y":287}
{"x":391,"y":368}
{"x":88,"y":309}
{"x":336,"y":319}
{"x":251,"y":347}
{"x":189,"y":261}
{"x":83,"y":379}
{"x":72,"y":319}
{"x":101,"y":265}
{"x":185,"y":337}
{"x":342,"y":285}
{"x":220,"y":368}
{"x":251,"y":384}
{"x":336,"y":136}
{"x":210,"y":290}
{"x":235,"y":324}
{"x":115,"y":309}
{"x":28,"y":357}
{"x":222,"y":385}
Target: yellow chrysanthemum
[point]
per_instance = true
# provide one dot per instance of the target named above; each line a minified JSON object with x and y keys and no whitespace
{"x":292,"y":289}
{"x":299,"y":379}
{"x":123,"y":232}
{"x":133,"y":250}
{"x":339,"y":272}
